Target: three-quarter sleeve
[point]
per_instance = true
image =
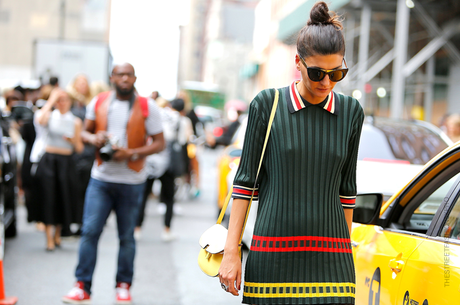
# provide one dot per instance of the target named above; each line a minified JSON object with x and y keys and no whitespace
{"x":244,"y":183}
{"x":348,"y":188}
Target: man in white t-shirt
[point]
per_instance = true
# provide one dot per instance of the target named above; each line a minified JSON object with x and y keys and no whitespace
{"x":132,"y":126}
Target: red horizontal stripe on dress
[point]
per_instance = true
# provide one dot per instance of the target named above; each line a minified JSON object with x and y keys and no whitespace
{"x":275,"y":244}
{"x":301,"y":249}
{"x":294,"y":238}
{"x":242,"y":191}
{"x":343,"y":200}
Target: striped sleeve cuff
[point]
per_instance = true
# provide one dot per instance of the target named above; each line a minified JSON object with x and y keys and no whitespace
{"x":348,"y":202}
{"x":243,"y":192}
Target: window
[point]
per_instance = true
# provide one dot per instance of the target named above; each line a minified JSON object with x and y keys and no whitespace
{"x":421,"y":209}
{"x":451,"y":228}
{"x":421,"y":219}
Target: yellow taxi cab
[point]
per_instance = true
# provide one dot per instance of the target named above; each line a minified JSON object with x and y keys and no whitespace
{"x":407,"y":251}
{"x":228,"y":162}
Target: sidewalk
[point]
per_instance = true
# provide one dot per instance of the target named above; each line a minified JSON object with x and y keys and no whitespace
{"x":165,"y":273}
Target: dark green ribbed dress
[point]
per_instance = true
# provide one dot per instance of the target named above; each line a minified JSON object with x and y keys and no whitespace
{"x":301,"y":252}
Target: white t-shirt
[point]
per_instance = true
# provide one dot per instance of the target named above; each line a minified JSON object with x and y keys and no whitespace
{"x":171,"y":123}
{"x":41,"y":133}
{"x":157,"y":164}
{"x":118,"y":116}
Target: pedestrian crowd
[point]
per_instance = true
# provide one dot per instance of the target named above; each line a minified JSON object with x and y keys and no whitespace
{"x":90,"y":150}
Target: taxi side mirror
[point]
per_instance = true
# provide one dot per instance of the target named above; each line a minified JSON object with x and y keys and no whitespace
{"x":367,"y":208}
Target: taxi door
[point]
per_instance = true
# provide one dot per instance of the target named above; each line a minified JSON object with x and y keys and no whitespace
{"x":379,"y":257}
{"x":402,"y":262}
{"x":432,"y":273}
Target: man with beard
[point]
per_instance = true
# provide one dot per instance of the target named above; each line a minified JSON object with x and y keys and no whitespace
{"x":120,"y":121}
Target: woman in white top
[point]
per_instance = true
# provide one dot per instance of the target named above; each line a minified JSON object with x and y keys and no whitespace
{"x":56,"y":170}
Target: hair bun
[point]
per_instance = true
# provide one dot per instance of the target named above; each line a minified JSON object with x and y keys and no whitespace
{"x":319,"y":14}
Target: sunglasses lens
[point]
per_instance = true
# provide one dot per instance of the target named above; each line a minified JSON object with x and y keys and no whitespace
{"x":335,"y":76}
{"x":315,"y":74}
{"x":338,"y":75}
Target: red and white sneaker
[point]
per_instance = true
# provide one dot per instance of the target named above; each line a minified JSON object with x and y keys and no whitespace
{"x":123,"y":295}
{"x":77,"y":295}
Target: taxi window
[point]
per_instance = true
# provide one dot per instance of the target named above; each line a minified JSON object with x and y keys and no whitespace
{"x":422,"y":216}
{"x":451,"y":228}
{"x":432,"y":203}
{"x":420,"y":211}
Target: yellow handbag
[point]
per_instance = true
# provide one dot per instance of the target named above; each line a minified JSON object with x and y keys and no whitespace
{"x":212,"y":241}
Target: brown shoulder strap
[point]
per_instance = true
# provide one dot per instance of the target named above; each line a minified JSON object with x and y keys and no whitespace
{"x":144,"y":106}
{"x":100,"y":98}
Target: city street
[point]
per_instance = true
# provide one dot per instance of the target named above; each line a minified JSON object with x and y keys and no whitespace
{"x":165,"y":273}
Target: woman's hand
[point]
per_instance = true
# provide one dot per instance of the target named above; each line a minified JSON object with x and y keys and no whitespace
{"x":230,"y":268}
{"x":230,"y":271}
{"x":55,"y":95}
{"x":44,"y":114}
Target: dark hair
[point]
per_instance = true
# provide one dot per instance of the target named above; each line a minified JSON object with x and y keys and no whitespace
{"x":13,"y":94}
{"x":323,"y":33}
{"x":178,"y":104}
{"x":54,"y":80}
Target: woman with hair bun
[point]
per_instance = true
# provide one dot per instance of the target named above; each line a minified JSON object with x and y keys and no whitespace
{"x":301,"y":251}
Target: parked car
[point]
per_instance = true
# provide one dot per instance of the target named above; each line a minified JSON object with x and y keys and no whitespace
{"x":8,"y":180}
{"x":387,"y":146}
{"x":390,"y":146}
{"x":408,"y":250}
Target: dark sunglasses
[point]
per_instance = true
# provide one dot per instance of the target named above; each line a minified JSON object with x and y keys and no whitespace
{"x":318,"y":74}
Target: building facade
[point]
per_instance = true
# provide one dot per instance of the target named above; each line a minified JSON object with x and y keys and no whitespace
{"x":408,"y":51}
{"x":23,"y":22}
{"x":217,"y":47}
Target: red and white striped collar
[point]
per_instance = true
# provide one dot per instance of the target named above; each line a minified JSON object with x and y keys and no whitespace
{"x":296,"y":103}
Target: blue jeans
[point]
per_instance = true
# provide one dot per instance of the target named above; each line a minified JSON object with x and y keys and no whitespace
{"x":101,"y":198}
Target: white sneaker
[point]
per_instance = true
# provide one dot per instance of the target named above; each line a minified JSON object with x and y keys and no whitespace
{"x":77,"y":295}
{"x":168,"y":236}
{"x":194,"y":192}
{"x":123,"y":295}
{"x":161,"y":208}
{"x":137,"y":234}
{"x":177,"y":210}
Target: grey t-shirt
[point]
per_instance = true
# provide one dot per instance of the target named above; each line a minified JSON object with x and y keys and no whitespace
{"x":118,"y":116}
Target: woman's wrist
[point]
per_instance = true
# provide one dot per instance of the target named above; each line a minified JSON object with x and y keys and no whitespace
{"x":229,"y":249}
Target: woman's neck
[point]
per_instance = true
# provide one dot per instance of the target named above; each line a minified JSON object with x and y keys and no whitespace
{"x":307,"y":95}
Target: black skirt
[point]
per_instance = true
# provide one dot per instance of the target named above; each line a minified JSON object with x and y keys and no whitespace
{"x":59,"y":190}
